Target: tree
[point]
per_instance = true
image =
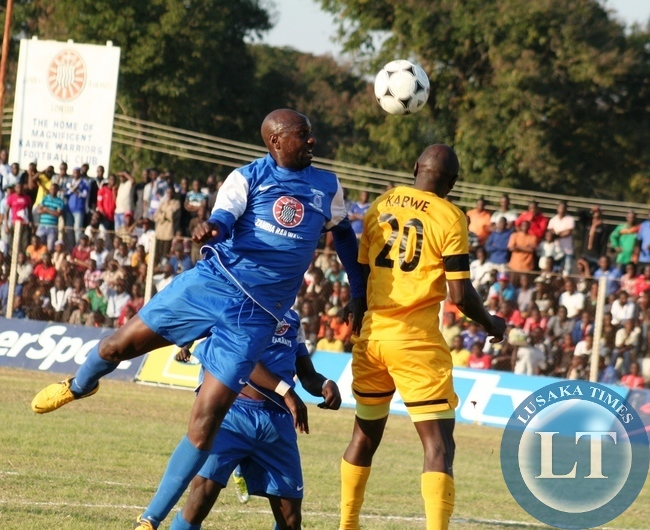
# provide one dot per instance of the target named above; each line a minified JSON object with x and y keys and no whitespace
{"x":317,"y":86}
{"x":184,"y":62}
{"x":537,"y":94}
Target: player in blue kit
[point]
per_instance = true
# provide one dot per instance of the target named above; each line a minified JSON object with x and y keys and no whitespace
{"x":260,"y":239}
{"x":258,"y":434}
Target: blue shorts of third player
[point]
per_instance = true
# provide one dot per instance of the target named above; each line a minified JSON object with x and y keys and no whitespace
{"x":202,"y":302}
{"x":260,"y":437}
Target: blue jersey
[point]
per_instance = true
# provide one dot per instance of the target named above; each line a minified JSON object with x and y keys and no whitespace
{"x":272,"y":219}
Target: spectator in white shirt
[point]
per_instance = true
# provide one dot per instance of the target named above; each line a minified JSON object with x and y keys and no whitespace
{"x":163,"y":279}
{"x":530,"y":359}
{"x":585,"y":346}
{"x":124,"y":198}
{"x":503,"y":211}
{"x":99,"y":253}
{"x":622,"y":309}
{"x":572,"y":299}
{"x":562,"y":226}
{"x":626,"y":345}
{"x":24,"y":268}
{"x":5,"y":170}
{"x":116,"y":299}
{"x":480,"y":269}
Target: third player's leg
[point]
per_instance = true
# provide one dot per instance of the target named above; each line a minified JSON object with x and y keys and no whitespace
{"x":287,"y":512}
{"x":203,"y":494}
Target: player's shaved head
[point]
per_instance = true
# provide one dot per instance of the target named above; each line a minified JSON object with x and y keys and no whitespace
{"x":436,"y":170}
{"x":287,"y":135}
{"x":279,"y":121}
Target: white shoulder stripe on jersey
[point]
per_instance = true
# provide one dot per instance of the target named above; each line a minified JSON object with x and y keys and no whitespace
{"x":337,"y":208}
{"x":233,"y":195}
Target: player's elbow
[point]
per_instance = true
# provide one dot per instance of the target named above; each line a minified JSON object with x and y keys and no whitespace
{"x":458,"y":292}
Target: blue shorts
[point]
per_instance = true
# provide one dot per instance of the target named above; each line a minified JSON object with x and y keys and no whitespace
{"x":202,"y":302}
{"x":260,"y":437}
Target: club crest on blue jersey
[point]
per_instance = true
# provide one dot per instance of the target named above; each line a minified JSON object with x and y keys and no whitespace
{"x":318,"y":199}
{"x":282,"y":327}
{"x":288,"y":212}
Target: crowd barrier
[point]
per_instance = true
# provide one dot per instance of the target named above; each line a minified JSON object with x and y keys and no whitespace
{"x":53,"y":347}
{"x":486,"y":397}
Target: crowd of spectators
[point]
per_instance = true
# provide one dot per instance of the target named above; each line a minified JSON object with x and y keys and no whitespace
{"x":530,"y":269}
{"x":86,"y":243}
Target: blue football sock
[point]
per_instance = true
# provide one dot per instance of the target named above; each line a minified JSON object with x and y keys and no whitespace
{"x":184,"y":464}
{"x":179,"y":523}
{"x":91,"y":371}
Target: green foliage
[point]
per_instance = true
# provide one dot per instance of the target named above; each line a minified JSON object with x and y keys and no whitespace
{"x":537,"y":94}
{"x":183,"y":62}
{"x":316,"y":86}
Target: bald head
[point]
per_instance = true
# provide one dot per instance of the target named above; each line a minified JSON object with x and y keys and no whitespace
{"x":280,"y":121}
{"x":436,"y":170}
{"x":287,"y":135}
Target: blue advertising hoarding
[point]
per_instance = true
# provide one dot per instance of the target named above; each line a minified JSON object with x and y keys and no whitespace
{"x":486,"y":397}
{"x":53,"y":347}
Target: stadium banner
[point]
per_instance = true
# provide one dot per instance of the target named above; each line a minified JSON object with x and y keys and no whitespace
{"x":486,"y":397}
{"x":53,"y":347}
{"x":160,"y":367}
{"x":64,"y":104}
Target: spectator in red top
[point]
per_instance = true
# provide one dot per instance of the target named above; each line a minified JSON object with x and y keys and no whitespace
{"x":538,"y":221}
{"x":633,"y":379}
{"x":106,"y":198}
{"x":535,"y":320}
{"x":642,"y":282}
{"x":80,"y":254}
{"x":19,"y":210}
{"x":45,"y":271}
{"x":511,"y":315}
{"x":478,"y":360}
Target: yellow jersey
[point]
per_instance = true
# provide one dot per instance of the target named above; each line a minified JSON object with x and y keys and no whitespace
{"x":414,"y":242}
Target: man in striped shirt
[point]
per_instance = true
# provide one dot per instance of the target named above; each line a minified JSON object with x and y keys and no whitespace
{"x":49,"y":211}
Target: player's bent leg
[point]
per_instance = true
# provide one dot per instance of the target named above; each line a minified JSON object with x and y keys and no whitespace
{"x":356,"y":462}
{"x":287,"y":512}
{"x":210,"y":407}
{"x":437,"y":483}
{"x":130,"y":341}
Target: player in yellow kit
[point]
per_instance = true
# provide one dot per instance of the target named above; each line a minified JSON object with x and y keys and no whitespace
{"x":414,"y":245}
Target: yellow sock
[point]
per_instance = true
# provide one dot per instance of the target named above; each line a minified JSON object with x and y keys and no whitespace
{"x":438,"y":492}
{"x":353,"y":489}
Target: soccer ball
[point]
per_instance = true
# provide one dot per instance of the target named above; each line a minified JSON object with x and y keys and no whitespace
{"x":401,"y":87}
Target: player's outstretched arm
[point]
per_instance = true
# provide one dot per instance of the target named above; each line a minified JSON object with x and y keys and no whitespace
{"x":263,"y":378}
{"x":345,"y":242}
{"x":317,"y":384}
{"x":464,"y":295}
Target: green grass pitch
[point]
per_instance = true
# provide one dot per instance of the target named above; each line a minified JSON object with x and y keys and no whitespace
{"x":96,"y":464}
